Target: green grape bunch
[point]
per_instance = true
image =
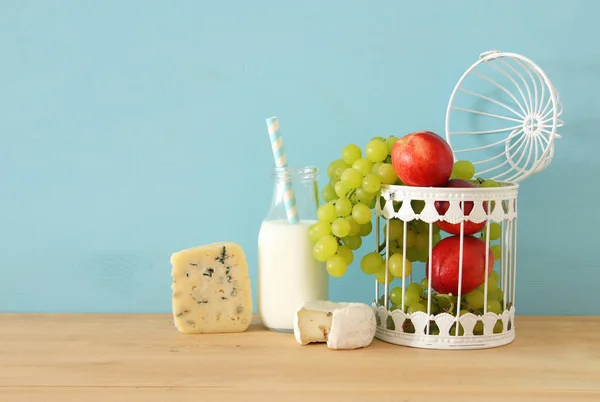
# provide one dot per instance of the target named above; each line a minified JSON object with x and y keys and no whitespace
{"x":412,"y":239}
{"x":350,"y":196}
{"x":345,"y":219}
{"x":415,"y":298}
{"x":355,"y":181}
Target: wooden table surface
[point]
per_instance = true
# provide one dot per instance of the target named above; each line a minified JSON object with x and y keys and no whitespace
{"x":112,"y":358}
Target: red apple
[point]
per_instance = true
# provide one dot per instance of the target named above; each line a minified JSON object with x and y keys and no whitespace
{"x":422,"y":159}
{"x":445,"y":264}
{"x":469,"y":227}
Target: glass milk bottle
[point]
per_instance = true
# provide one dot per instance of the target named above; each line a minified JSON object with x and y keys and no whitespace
{"x":288,"y":273}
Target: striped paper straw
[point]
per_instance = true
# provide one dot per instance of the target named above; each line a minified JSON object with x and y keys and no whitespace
{"x":289,"y":200}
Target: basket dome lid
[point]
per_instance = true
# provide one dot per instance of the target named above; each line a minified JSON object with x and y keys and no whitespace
{"x":503,"y":116}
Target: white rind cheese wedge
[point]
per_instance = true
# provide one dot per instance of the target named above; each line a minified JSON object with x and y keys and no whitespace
{"x":211,"y":289}
{"x":341,"y":325}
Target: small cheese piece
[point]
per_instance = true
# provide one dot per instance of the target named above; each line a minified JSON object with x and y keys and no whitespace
{"x":341,"y":325}
{"x":211,"y":289}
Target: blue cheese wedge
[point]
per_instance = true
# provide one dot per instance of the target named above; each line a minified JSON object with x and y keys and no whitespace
{"x":211,"y":289}
{"x":341,"y":325}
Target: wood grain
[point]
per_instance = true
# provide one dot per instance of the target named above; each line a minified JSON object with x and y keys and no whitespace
{"x":143,"y":358}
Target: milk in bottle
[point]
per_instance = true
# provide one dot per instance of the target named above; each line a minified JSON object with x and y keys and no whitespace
{"x":288,"y":273}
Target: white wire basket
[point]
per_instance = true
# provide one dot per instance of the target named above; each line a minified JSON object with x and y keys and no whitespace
{"x":503,"y":116}
{"x":437,"y":327}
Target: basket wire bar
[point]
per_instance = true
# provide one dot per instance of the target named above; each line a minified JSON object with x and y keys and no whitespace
{"x":387,"y":259}
{"x":404,"y":262}
{"x":487,"y":254}
{"x":429,"y":275}
{"x":513,"y":253}
{"x":503,"y":274}
{"x":377,"y":248}
{"x":460,"y":268}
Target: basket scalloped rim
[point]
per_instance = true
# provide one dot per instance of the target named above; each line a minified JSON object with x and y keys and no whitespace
{"x":504,"y":197}
{"x":467,"y":341}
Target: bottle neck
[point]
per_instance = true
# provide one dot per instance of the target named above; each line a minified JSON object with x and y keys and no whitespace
{"x":304,"y":185}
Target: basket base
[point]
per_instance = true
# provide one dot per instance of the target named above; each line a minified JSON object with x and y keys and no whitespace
{"x":450,"y":342}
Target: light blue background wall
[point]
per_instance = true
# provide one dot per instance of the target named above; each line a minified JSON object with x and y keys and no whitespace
{"x":132,"y":129}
